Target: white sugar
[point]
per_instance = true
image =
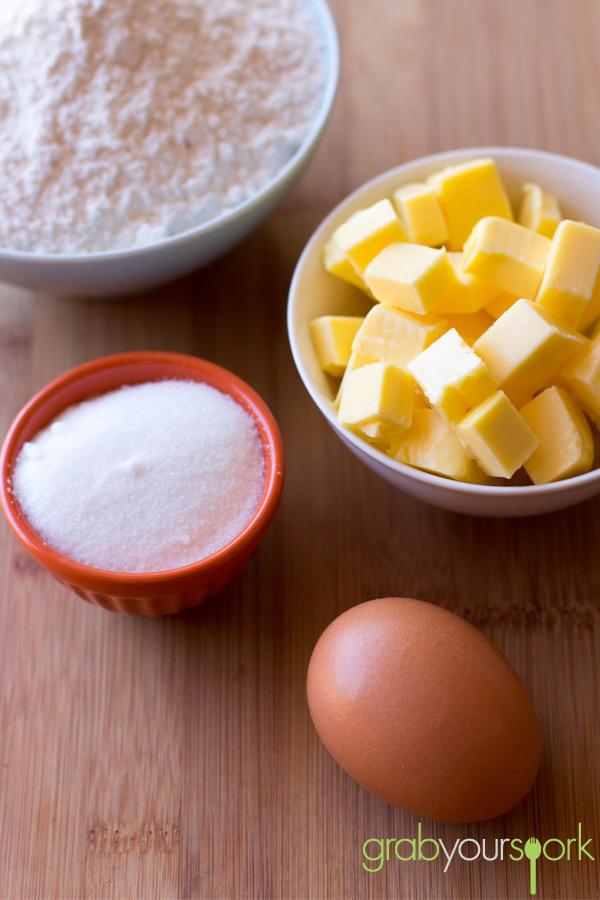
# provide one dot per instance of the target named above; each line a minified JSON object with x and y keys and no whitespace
{"x":146,"y":478}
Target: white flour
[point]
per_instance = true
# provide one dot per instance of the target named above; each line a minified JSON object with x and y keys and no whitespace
{"x":127,"y":120}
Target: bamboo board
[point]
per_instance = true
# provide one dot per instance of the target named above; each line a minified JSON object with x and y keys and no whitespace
{"x":175,"y":758}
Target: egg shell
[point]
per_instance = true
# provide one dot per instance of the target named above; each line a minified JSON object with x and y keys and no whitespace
{"x":423,"y":710}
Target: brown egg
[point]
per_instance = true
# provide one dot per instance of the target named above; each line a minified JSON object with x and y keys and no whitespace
{"x":423,"y":710}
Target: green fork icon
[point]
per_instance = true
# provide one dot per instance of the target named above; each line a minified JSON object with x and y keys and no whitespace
{"x":533,"y":850}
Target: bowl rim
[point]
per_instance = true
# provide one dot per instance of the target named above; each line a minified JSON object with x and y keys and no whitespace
{"x":326,"y":406}
{"x":165,"y":364}
{"x":325,"y":24}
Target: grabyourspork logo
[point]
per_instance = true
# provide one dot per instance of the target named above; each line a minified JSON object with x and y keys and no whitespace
{"x":377,"y":851}
{"x":533,"y":851}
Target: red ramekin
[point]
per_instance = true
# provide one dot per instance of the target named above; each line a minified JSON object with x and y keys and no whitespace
{"x":148,"y":593}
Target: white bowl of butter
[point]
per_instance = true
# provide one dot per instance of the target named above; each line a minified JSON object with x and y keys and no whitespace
{"x":314,"y":292}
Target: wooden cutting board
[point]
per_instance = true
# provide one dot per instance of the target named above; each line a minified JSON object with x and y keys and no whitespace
{"x":175,"y":758}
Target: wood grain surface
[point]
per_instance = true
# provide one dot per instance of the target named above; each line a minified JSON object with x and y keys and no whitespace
{"x":175,"y":758}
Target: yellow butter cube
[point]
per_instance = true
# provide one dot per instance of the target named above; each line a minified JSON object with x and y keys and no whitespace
{"x":592,"y":310}
{"x":539,"y":210}
{"x":367,"y":232}
{"x":524,"y":348}
{"x":421,"y":214}
{"x":356,"y":361}
{"x":470,"y":326}
{"x":377,"y":394}
{"x":336,"y":262}
{"x":470,"y":293}
{"x":379,"y":435}
{"x":568,"y":281}
{"x":510,"y":256}
{"x":420,"y":400}
{"x":497,"y":436}
{"x":431,"y":444}
{"x":452,"y":376}
{"x":582,"y":377}
{"x":332,"y":337}
{"x":391,"y":335}
{"x":459,"y":299}
{"x":411,"y":277}
{"x":383,"y":434}
{"x":566,"y":445}
{"x":468,"y":192}
{"x":501,"y":302}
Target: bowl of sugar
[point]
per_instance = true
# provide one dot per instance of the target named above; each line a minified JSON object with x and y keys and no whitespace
{"x":159,"y":135}
{"x":144,"y":481}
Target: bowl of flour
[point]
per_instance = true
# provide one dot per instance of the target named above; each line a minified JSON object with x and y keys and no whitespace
{"x":144,"y":138}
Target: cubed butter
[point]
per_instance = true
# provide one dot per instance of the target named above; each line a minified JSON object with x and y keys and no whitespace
{"x":501,"y":302}
{"x":336,"y":262}
{"x":466,"y":193}
{"x":524,"y":348}
{"x":508,"y":255}
{"x":420,"y":400}
{"x":566,"y":446}
{"x":379,"y":435}
{"x":431,"y":444}
{"x":332,"y":337}
{"x":568,"y":281}
{"x":391,"y":335}
{"x":496,"y":436}
{"x":386,"y":433}
{"x":539,"y":211}
{"x":411,"y":277}
{"x":592,"y":310}
{"x":470,"y":293}
{"x":452,"y":376}
{"x":582,"y":377}
{"x":356,"y":361}
{"x":377,"y":394}
{"x":470,"y":326}
{"x":367,"y":232}
{"x":421,"y":215}
{"x":459,"y":298}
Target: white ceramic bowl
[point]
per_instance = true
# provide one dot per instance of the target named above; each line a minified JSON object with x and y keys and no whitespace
{"x":126,"y":271}
{"x":314,"y":292}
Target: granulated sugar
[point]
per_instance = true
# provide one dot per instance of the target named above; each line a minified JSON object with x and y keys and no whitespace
{"x":146,"y":478}
{"x":125,"y":121}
